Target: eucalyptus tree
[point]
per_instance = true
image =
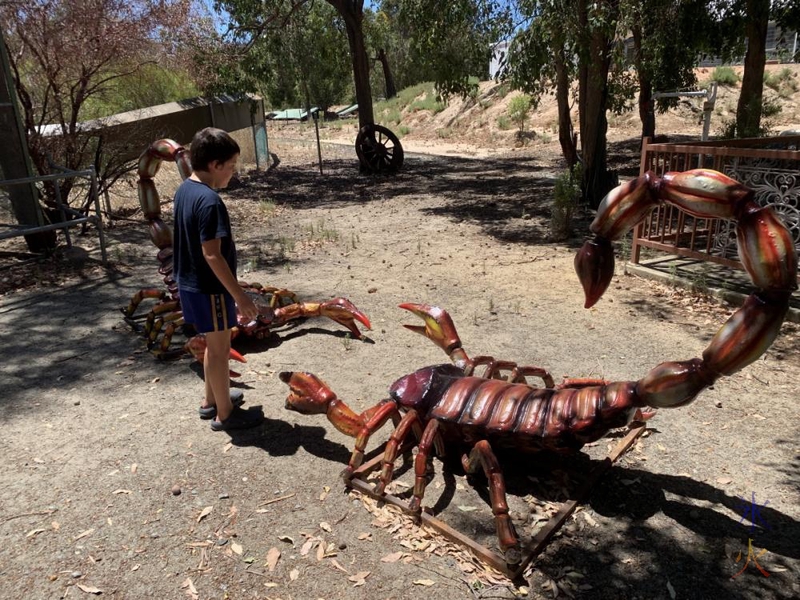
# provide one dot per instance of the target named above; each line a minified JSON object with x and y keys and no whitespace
{"x":668,"y":38}
{"x":305,"y":60}
{"x":455,"y":39}
{"x":568,"y":41}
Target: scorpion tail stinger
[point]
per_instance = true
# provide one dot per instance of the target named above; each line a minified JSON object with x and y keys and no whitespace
{"x":594,"y":264}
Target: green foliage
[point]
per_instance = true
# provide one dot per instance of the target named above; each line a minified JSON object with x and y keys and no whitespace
{"x":784,"y":81}
{"x":150,"y":85}
{"x":518,"y":110}
{"x":566,"y":195}
{"x":388,"y":116}
{"x":768,"y":108}
{"x":283,"y":61}
{"x":415,"y":98}
{"x":428,"y":102}
{"x":454,"y":38}
{"x":403,"y":130}
{"x":72,"y":61}
{"x":503,"y":123}
{"x":725,"y":76}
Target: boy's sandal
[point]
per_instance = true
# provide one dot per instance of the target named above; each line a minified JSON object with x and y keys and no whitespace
{"x":209,"y":412}
{"x":238,"y":419}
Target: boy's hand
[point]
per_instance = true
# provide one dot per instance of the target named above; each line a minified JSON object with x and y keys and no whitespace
{"x":247,"y":307}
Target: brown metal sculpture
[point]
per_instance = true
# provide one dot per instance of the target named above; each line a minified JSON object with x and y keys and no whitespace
{"x":277,"y":306}
{"x":454,"y":409}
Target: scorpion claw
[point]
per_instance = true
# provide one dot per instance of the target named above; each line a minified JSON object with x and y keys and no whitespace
{"x":439,"y":327}
{"x":345,"y":313}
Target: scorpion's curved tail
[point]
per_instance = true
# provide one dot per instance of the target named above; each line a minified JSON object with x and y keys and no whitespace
{"x":160,"y":233}
{"x":766,"y":250}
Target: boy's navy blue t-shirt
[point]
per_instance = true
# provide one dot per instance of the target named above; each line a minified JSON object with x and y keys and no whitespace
{"x":200,"y":216}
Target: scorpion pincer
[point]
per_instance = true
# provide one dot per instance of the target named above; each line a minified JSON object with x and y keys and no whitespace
{"x":451,"y":408}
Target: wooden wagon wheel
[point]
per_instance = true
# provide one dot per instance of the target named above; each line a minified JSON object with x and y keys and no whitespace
{"x":378,"y":149}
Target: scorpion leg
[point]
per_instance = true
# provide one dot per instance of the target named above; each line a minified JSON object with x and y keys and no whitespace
{"x":163,"y":352}
{"x":482,"y":456}
{"x":422,"y":463}
{"x":410,"y":421}
{"x":519,"y":374}
{"x":137,"y":298}
{"x":377,"y":418}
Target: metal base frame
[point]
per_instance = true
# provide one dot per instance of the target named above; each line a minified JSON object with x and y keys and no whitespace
{"x":537,"y":543}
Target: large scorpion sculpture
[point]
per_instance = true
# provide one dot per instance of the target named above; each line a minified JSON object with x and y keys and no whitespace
{"x":277,"y":306}
{"x":456,"y":409}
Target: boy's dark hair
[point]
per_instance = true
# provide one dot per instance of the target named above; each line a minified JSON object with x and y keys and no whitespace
{"x":211,"y":144}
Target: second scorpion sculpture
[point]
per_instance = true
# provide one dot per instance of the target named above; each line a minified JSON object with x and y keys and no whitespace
{"x":278,"y":306}
{"x":457,"y":410}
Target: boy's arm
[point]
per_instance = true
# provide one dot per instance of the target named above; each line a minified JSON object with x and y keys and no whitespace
{"x":213,"y":255}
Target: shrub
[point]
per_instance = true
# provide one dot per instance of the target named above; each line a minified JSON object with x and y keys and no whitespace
{"x":566,"y":194}
{"x":428,"y":102}
{"x":725,"y":76}
{"x":503,"y":123}
{"x":782,"y":81}
{"x":518,"y":110}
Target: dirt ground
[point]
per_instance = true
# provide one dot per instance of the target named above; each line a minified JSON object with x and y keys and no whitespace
{"x":99,"y":435}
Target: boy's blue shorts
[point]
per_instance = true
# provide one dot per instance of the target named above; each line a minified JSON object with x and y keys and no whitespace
{"x":208,"y":312}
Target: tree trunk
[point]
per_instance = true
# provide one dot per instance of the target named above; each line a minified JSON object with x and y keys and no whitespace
{"x":594,"y":64}
{"x":566,"y":133}
{"x":647,"y":112}
{"x":391,"y":90}
{"x":748,"y":111}
{"x":353,"y":15}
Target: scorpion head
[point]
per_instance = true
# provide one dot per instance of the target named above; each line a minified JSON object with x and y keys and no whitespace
{"x":309,"y":395}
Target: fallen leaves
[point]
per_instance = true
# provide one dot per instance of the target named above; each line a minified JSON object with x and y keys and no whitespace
{"x":359,"y":578}
{"x":393,"y":557}
{"x":204,"y":513}
{"x":34,"y":532}
{"x":83,"y":534}
{"x":325,"y":491}
{"x":189,"y":588}
{"x":425,"y":582}
{"x":272,"y":559}
{"x":89,"y":589}
{"x":294,"y":574}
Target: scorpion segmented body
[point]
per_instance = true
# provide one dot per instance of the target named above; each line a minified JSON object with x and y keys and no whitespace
{"x":455,"y":409}
{"x":514,"y":415}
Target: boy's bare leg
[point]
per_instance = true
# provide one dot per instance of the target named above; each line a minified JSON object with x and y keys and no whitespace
{"x":218,"y":383}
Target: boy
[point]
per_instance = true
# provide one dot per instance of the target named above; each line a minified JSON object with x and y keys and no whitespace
{"x":204,"y":265}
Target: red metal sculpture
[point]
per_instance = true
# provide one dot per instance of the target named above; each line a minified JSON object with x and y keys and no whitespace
{"x":455,"y":409}
{"x":277,"y":306}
